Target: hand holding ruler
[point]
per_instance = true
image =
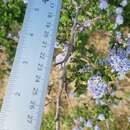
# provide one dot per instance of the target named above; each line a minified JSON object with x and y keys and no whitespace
{"x":24,"y":100}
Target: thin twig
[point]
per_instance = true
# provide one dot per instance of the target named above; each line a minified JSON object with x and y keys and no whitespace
{"x":58,"y":100}
{"x":107,"y":125}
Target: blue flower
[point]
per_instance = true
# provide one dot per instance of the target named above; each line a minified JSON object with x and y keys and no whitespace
{"x":119,"y":19}
{"x":88,"y":124}
{"x":124,"y":3}
{"x":97,"y":127}
{"x":118,"y":34}
{"x":97,"y":87}
{"x":119,"y":64}
{"x":119,"y":10}
{"x":103,"y":4}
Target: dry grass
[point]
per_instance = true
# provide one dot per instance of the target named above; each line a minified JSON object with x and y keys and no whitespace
{"x":123,"y":108}
{"x":100,"y":41}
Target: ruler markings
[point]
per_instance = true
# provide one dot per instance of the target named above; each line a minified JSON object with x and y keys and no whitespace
{"x":25,"y":97}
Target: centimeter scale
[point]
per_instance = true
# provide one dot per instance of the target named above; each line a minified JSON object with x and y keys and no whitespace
{"x":23,"y":104}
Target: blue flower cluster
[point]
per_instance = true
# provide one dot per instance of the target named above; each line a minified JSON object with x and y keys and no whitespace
{"x":103,"y":5}
{"x":118,"y":60}
{"x":119,"y":65}
{"x":97,"y":87}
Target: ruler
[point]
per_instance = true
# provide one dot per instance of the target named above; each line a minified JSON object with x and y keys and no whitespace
{"x":25,"y":96}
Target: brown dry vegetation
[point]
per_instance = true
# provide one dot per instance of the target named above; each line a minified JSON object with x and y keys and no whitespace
{"x":3,"y":79}
{"x":100,"y":41}
{"x":123,"y":108}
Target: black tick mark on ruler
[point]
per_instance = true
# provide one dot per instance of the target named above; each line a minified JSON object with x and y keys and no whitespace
{"x":31,"y":34}
{"x":36,"y":9}
{"x":44,"y":1}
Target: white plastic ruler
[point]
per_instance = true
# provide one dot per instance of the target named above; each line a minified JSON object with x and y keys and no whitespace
{"x":23,"y":104}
